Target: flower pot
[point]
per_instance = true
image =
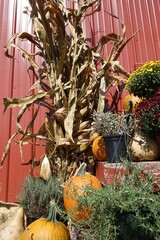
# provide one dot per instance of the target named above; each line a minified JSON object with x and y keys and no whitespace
{"x":116,"y":148}
{"x":144,"y":148}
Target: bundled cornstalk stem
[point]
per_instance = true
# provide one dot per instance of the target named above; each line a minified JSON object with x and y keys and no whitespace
{"x":68,"y":81}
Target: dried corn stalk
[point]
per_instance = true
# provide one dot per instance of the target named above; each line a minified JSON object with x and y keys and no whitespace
{"x":69,"y":78}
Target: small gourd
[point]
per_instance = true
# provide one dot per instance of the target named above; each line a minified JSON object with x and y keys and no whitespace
{"x":76,"y":187}
{"x":13,"y":228}
{"x":99,"y":149}
{"x":46,"y":228}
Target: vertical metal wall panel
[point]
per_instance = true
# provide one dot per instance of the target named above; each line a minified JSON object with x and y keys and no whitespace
{"x":142,"y":15}
{"x":15,"y":82}
{"x":6,"y":70}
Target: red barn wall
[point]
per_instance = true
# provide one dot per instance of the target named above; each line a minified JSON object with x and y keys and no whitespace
{"x":142,"y":15}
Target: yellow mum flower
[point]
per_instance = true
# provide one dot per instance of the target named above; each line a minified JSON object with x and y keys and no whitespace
{"x":145,"y":80}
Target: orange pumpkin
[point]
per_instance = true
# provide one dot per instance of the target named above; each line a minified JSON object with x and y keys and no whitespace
{"x":75,"y":187}
{"x":46,"y":229}
{"x":135,"y":101}
{"x":99,"y":149}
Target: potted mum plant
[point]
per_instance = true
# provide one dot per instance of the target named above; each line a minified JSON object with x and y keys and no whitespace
{"x":148,"y":115}
{"x":145,"y":81}
{"x":116,"y":130}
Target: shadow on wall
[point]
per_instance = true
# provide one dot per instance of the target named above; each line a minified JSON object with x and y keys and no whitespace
{"x":114,"y":98}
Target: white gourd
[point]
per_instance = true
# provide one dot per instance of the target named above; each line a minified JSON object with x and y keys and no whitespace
{"x":13,"y":228}
{"x":143,"y":148}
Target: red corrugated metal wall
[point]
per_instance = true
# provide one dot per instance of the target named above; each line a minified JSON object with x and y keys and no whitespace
{"x":142,"y":15}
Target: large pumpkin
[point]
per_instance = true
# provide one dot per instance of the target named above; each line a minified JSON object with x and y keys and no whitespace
{"x":75,"y":187}
{"x":135,"y":101}
{"x":99,"y":148}
{"x":46,"y":229}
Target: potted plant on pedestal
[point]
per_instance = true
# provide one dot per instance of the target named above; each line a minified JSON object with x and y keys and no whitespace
{"x":115,"y":129}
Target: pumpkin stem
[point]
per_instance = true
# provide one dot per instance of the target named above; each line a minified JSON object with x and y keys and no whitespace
{"x":52,"y":216}
{"x":81,"y":170}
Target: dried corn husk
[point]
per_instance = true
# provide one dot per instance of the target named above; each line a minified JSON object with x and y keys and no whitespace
{"x":45,"y":171}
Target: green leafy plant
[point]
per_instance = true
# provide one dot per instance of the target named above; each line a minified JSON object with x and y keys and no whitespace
{"x":123,"y":212}
{"x":36,"y":195}
{"x":66,"y":84}
{"x":148,"y":115}
{"x":145,"y":80}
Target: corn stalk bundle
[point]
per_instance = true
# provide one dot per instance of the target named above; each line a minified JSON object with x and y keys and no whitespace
{"x":67,"y":83}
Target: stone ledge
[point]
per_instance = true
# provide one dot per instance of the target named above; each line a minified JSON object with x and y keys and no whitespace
{"x":106,"y":172}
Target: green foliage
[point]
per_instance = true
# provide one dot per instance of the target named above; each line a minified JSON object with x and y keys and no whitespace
{"x":36,"y":196}
{"x":126,"y":212}
{"x":145,"y":80}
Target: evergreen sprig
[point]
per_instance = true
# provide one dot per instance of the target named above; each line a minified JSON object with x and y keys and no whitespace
{"x":37,"y":193}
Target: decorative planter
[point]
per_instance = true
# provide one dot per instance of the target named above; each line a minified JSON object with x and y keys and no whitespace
{"x":144,"y":148}
{"x":116,"y":147}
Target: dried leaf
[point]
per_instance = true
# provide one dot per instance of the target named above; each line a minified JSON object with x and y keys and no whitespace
{"x":22,"y":36}
{"x":90,"y":4}
{"x":19,"y":116}
{"x":49,"y":128}
{"x":29,"y":126}
{"x":82,"y":112}
{"x":72,"y":100}
{"x":58,"y":132}
{"x":20,"y":102}
{"x":124,"y":44}
{"x":79,"y":125}
{"x":6,"y":150}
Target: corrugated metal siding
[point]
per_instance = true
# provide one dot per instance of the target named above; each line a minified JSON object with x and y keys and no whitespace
{"x":142,"y":15}
{"x":15,"y":82}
